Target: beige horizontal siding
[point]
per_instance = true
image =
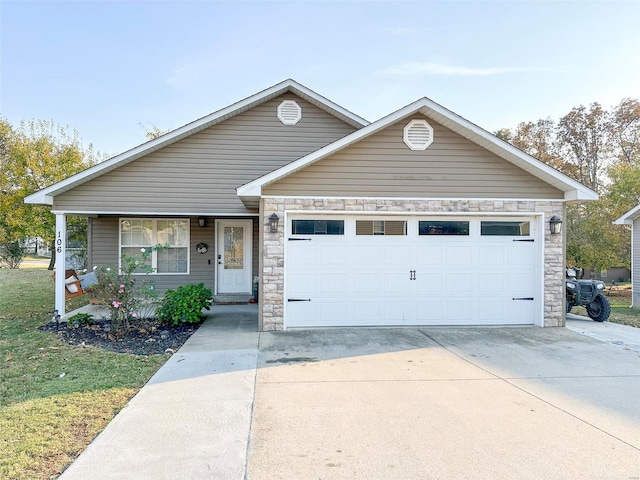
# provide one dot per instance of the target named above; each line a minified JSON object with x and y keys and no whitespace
{"x":201,"y":173}
{"x":383,"y":166}
{"x":105,"y":241}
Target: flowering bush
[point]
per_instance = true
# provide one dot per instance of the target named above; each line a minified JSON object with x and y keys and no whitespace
{"x":124,"y":294}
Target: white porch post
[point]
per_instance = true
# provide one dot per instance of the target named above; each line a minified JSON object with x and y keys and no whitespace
{"x":60,"y":245}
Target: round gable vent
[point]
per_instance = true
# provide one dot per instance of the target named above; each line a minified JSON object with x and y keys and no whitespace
{"x":289,"y":112}
{"x":418,"y":134}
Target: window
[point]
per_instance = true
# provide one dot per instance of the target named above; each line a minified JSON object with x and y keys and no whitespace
{"x":439,"y":227}
{"x":317,"y":227}
{"x":139,"y":233}
{"x":510,"y":229}
{"x":381,"y":227}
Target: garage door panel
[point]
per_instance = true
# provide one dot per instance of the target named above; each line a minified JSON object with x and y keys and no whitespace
{"x":519,"y":312}
{"x":396,"y":282}
{"x":368,"y":282}
{"x":333,"y":254}
{"x":462,"y":255}
{"x":412,"y":279}
{"x":396,"y":256}
{"x":520,"y":282}
{"x":429,"y":282}
{"x":456,"y":283}
{"x":430,"y":255}
{"x":493,"y":255}
{"x":302,"y":283}
{"x":332,"y":313}
{"x":458,"y":311}
{"x":521,"y":256}
{"x":300,"y":255}
{"x":333,"y":283}
{"x":367,"y":313}
{"x":396,"y":312}
{"x":488,"y":311}
{"x":492,"y":282}
{"x":366,"y":255}
{"x":429,"y":311}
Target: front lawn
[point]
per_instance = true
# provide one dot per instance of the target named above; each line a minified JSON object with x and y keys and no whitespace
{"x":54,"y":398}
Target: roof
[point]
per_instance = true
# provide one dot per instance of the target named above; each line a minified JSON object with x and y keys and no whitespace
{"x":46,"y":195}
{"x":572,"y":189}
{"x":629,"y":217}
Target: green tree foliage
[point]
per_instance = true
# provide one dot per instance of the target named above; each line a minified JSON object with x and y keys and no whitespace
{"x":601,"y":149}
{"x":33,"y":156}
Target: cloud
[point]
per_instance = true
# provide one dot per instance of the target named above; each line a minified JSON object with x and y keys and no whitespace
{"x":416,"y":68}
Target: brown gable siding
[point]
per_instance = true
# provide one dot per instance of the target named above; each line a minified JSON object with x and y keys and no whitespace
{"x":383,"y":166}
{"x":200,"y":173}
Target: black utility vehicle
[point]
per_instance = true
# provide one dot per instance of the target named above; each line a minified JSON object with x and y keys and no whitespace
{"x":588,"y":294}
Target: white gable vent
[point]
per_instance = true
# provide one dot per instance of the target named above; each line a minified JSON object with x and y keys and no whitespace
{"x":418,"y":135}
{"x":289,"y":112}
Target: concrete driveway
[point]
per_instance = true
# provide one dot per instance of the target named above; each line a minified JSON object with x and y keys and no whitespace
{"x":415,"y":403}
{"x":444,"y":403}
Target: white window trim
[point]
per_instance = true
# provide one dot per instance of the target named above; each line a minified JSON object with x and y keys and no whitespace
{"x":285,"y":119}
{"x":417,"y":146}
{"x":154,"y":254}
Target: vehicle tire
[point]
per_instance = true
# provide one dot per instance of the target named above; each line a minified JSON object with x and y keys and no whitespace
{"x":569,"y":307}
{"x":600,"y":309}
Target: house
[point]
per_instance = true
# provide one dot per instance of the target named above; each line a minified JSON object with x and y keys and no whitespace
{"x":632,"y":218}
{"x":419,"y":218}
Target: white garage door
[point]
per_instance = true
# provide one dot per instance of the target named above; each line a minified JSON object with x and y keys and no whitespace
{"x":350,"y":271}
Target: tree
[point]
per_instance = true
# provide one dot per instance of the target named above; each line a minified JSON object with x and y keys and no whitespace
{"x":33,"y":156}
{"x":600,"y":149}
{"x":585,"y":136}
{"x":153,"y":131}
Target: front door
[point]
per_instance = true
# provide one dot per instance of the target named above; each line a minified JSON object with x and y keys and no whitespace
{"x":233,"y":254}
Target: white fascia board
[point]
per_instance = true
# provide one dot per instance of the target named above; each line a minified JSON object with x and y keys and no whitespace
{"x":629,"y":217}
{"x":45,"y":196}
{"x":573,"y":190}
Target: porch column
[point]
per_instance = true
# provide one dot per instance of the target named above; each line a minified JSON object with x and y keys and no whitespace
{"x":61,"y":260}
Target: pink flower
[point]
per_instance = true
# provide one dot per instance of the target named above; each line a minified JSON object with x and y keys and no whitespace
{"x":116,"y":304}
{"x":121,"y":285}
{"x":134,"y":314}
{"x":120,"y":291}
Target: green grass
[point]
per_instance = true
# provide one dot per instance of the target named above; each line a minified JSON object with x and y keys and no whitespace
{"x":46,"y":418}
{"x":620,"y":311}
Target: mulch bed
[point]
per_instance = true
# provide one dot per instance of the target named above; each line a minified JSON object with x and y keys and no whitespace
{"x":146,"y":337}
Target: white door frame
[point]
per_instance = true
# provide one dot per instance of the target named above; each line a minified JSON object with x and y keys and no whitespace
{"x":248,"y":252}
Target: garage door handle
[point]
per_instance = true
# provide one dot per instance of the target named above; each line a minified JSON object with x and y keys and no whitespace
{"x":523,"y":240}
{"x":299,"y":300}
{"x":298,"y":239}
{"x":522,"y":298}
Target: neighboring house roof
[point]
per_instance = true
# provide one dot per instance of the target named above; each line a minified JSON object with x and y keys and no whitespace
{"x":46,"y":195}
{"x":572,"y":189}
{"x":629,"y":217}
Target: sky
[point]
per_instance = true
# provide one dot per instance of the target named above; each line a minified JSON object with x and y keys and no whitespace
{"x":114,"y":69}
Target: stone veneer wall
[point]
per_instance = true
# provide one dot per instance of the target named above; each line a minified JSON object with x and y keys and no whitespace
{"x":272,"y":284}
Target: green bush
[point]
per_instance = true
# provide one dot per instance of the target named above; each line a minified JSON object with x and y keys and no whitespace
{"x":185,"y":304}
{"x":81,"y":319}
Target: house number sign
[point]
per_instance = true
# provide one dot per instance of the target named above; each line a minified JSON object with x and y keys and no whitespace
{"x":59,"y":243}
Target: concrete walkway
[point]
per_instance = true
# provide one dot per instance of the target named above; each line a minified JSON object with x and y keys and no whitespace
{"x":369,"y":403}
{"x":192,"y":419}
{"x":615,"y":334}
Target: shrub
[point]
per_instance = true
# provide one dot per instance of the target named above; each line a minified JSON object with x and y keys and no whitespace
{"x":185,"y":304}
{"x":122,"y":293}
{"x":80,"y":319}
{"x":11,"y":255}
